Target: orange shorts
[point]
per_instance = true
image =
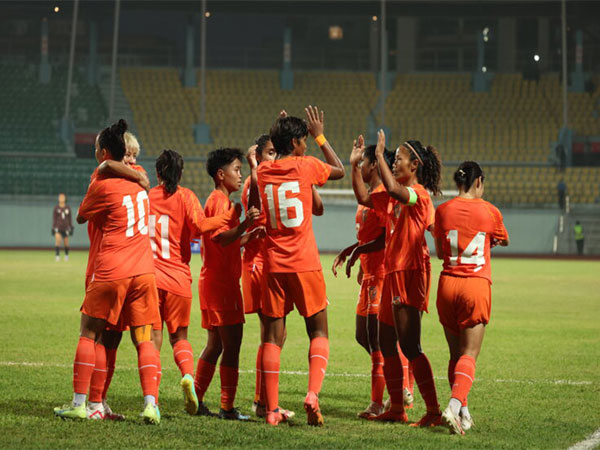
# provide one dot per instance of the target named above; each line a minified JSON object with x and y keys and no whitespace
{"x":404,"y":287}
{"x":252,"y":289}
{"x":134,"y":298}
{"x":306,"y":290}
{"x":220,"y":301}
{"x":369,"y":297}
{"x":463,"y":302}
{"x":174,"y":310}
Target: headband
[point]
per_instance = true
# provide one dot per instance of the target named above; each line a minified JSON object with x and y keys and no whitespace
{"x":414,"y":151}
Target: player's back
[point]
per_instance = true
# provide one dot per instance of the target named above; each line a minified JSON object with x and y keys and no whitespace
{"x":467,"y":227}
{"x":123,"y":209}
{"x":172,"y":226}
{"x":286,"y":195}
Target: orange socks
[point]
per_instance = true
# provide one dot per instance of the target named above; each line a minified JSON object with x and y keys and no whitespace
{"x":83,"y":365}
{"x":184,"y":357}
{"x":392,"y":369}
{"x":258,"y":384}
{"x":148,"y":367}
{"x":424,"y":379}
{"x":229,"y":382}
{"x":377,"y":378}
{"x":271,"y":355}
{"x":111,"y":358}
{"x":204,"y":375}
{"x":99,"y":375}
{"x":464,"y":374}
{"x":158,"y":372}
{"x":318,"y":355}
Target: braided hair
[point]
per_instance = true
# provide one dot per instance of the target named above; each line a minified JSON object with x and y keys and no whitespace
{"x":429,"y":170}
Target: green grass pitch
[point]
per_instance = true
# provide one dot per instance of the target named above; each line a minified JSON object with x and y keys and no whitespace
{"x":537,"y":383}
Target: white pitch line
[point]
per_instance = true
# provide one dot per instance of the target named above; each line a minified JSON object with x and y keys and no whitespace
{"x":303,"y":373}
{"x":592,"y":441}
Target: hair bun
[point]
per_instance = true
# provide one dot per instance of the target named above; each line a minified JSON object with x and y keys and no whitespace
{"x":121,"y":126}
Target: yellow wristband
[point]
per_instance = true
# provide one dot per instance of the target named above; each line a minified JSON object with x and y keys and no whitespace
{"x":320,"y":140}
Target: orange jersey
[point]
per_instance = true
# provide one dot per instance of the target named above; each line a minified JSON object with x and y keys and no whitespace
{"x":253,"y":256}
{"x":174,"y":221}
{"x":121,"y":208}
{"x":467,"y":227}
{"x":285,"y":187}
{"x":406,"y":247}
{"x":226,"y":261}
{"x":369,"y":226}
{"x":95,"y":230}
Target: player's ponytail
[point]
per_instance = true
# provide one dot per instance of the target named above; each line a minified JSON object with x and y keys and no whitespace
{"x":429,"y":170}
{"x":111,"y":138}
{"x":466,"y":174}
{"x":169,"y":167}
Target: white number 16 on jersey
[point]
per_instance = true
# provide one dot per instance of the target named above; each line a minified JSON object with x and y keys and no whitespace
{"x":285,"y":204}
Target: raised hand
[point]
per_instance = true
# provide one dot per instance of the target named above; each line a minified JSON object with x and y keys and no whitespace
{"x":315,"y":122}
{"x":358,"y":147}
{"x":251,"y":157}
{"x":380,"y":143}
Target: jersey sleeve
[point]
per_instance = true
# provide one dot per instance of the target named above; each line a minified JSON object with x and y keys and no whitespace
{"x":500,"y":233}
{"x":55,"y":218}
{"x":319,"y":171}
{"x":93,"y":202}
{"x":437,"y":224}
{"x":380,"y":201}
{"x":220,"y":207}
{"x":194,"y":214}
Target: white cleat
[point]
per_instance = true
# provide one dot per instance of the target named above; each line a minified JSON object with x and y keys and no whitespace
{"x":109,"y":414}
{"x":466,"y":422}
{"x":95,"y":411}
{"x":452,"y":422}
{"x":407,"y":397}
{"x":374,"y":409}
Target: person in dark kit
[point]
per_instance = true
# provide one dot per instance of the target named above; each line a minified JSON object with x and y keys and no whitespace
{"x":62,"y":226}
{"x":578,"y":230}
{"x":562,"y":194}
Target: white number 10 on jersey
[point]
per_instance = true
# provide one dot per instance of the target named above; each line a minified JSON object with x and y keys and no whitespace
{"x":285,"y":204}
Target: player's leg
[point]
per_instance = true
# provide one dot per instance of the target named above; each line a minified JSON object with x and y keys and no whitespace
{"x":408,"y":327}
{"x":273,"y":336}
{"x":184,"y":359}
{"x":205,"y":369}
{"x":110,"y":340}
{"x":377,"y":376}
{"x":66,"y":241}
{"x":231,"y":340}
{"x":57,"y":241}
{"x":318,"y":356}
{"x":83,"y":367}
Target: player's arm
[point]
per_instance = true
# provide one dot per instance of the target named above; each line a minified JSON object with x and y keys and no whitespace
{"x":401,"y":193}
{"x":500,"y":235}
{"x":257,"y":233}
{"x":368,"y":247}
{"x":55,"y":220}
{"x":358,"y":186}
{"x":316,"y":128}
{"x":110,"y":167}
{"x":254,"y":194}
{"x":317,"y":208}
{"x":340,"y":259}
{"x":227,"y":237}
{"x":197,"y":221}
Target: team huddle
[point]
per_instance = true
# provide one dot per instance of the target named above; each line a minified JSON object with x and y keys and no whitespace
{"x":138,"y":276}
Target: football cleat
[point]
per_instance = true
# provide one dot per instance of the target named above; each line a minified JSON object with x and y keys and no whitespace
{"x":408,"y":398}
{"x":429,"y":420}
{"x":394,"y":414}
{"x":189,"y":394}
{"x":203,"y":410}
{"x":95,"y":411}
{"x":374,"y":409}
{"x":232,"y":414}
{"x":452,"y":422}
{"x":109,"y":414}
{"x":151,"y":414}
{"x":313,"y":412}
{"x":466,"y":421}
{"x":71,"y":412}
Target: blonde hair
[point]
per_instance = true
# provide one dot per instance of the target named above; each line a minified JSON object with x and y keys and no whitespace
{"x":131,"y":143}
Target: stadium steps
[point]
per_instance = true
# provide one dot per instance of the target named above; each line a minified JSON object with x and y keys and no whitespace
{"x":122,"y":107}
